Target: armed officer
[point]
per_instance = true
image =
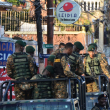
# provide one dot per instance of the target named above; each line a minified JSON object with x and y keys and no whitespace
{"x":102,"y":55}
{"x":20,"y":67}
{"x":75,"y":59}
{"x":30,"y":50}
{"x":93,"y":65}
{"x":61,"y":70}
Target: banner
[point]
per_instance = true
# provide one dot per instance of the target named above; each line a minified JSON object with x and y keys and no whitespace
{"x":6,"y":49}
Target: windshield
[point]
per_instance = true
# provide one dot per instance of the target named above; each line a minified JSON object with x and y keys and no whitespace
{"x":38,"y":106}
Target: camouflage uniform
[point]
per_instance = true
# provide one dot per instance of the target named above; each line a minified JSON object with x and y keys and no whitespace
{"x":60,"y":86}
{"x":103,"y":69}
{"x":41,"y":90}
{"x":76,"y":63}
{"x":11,"y":70}
{"x":30,"y":50}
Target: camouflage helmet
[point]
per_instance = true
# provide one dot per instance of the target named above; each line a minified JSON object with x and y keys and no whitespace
{"x":79,"y":45}
{"x":91,"y":48}
{"x":20,"y":42}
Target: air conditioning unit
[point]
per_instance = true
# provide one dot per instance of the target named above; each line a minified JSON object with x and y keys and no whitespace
{"x":1,"y":31}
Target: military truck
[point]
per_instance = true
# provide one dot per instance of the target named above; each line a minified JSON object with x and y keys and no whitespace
{"x":77,"y":98}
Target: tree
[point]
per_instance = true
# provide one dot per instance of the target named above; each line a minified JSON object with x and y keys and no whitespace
{"x":16,"y":2}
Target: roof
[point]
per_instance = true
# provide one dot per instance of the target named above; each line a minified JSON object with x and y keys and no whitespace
{"x":5,"y":4}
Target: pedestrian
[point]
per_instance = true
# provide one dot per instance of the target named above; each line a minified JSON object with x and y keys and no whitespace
{"x":30,"y":50}
{"x":20,"y":67}
{"x":102,"y":101}
{"x":62,"y":70}
{"x":93,"y":66}
{"x":75,"y":59}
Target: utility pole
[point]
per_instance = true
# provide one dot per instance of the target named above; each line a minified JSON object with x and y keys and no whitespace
{"x":49,"y":24}
{"x":39,"y":33}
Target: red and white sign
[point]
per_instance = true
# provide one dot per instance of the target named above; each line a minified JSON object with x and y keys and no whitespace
{"x":68,"y":11}
{"x":4,"y":77}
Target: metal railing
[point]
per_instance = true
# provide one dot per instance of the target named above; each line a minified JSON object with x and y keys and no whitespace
{"x":13,"y":20}
{"x":78,"y":94}
{"x":79,"y":87}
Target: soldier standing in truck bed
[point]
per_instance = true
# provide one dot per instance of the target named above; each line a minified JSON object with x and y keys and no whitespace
{"x":62,"y":70}
{"x":20,"y":67}
{"x":75,"y":59}
{"x":93,"y":65}
{"x":30,"y":50}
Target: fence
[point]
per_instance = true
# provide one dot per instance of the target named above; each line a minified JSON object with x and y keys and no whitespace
{"x":11,"y":20}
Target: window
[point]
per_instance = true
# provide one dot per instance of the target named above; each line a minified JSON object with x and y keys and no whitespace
{"x":99,"y":5}
{"x":95,"y":5}
{"x":92,"y":6}
{"x":84,"y":6}
{"x":88,"y":5}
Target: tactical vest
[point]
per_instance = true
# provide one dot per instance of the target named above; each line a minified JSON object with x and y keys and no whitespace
{"x":73,"y":61}
{"x":43,"y":89}
{"x":58,"y":69}
{"x":93,"y":65}
{"x":21,"y":64}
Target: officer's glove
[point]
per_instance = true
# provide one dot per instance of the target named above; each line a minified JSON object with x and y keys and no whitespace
{"x":78,"y":77}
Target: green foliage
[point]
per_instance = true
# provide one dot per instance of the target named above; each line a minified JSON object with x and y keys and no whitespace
{"x":15,"y":2}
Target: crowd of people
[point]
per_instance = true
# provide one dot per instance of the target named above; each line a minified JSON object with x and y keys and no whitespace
{"x":66,"y":61}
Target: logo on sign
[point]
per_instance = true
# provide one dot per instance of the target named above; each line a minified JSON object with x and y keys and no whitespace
{"x":68,"y":12}
{"x":67,"y":7}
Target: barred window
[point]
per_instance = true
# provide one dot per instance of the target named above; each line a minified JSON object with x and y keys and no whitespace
{"x":95,"y":5}
{"x":92,"y":6}
{"x":88,"y":5}
{"x":99,"y":5}
{"x":84,"y":6}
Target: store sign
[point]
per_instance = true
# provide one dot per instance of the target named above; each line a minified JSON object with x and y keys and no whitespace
{"x":6,"y":49}
{"x":48,"y":46}
{"x":68,"y":12}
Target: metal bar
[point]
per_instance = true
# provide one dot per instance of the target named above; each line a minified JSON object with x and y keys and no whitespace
{"x":11,"y":92}
{"x":4,"y":97}
{"x":10,"y":20}
{"x":1,"y":18}
{"x":83,"y":89}
{"x":1,"y":90}
{"x":1,"y":93}
{"x":69,"y":88}
{"x":99,"y":77}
